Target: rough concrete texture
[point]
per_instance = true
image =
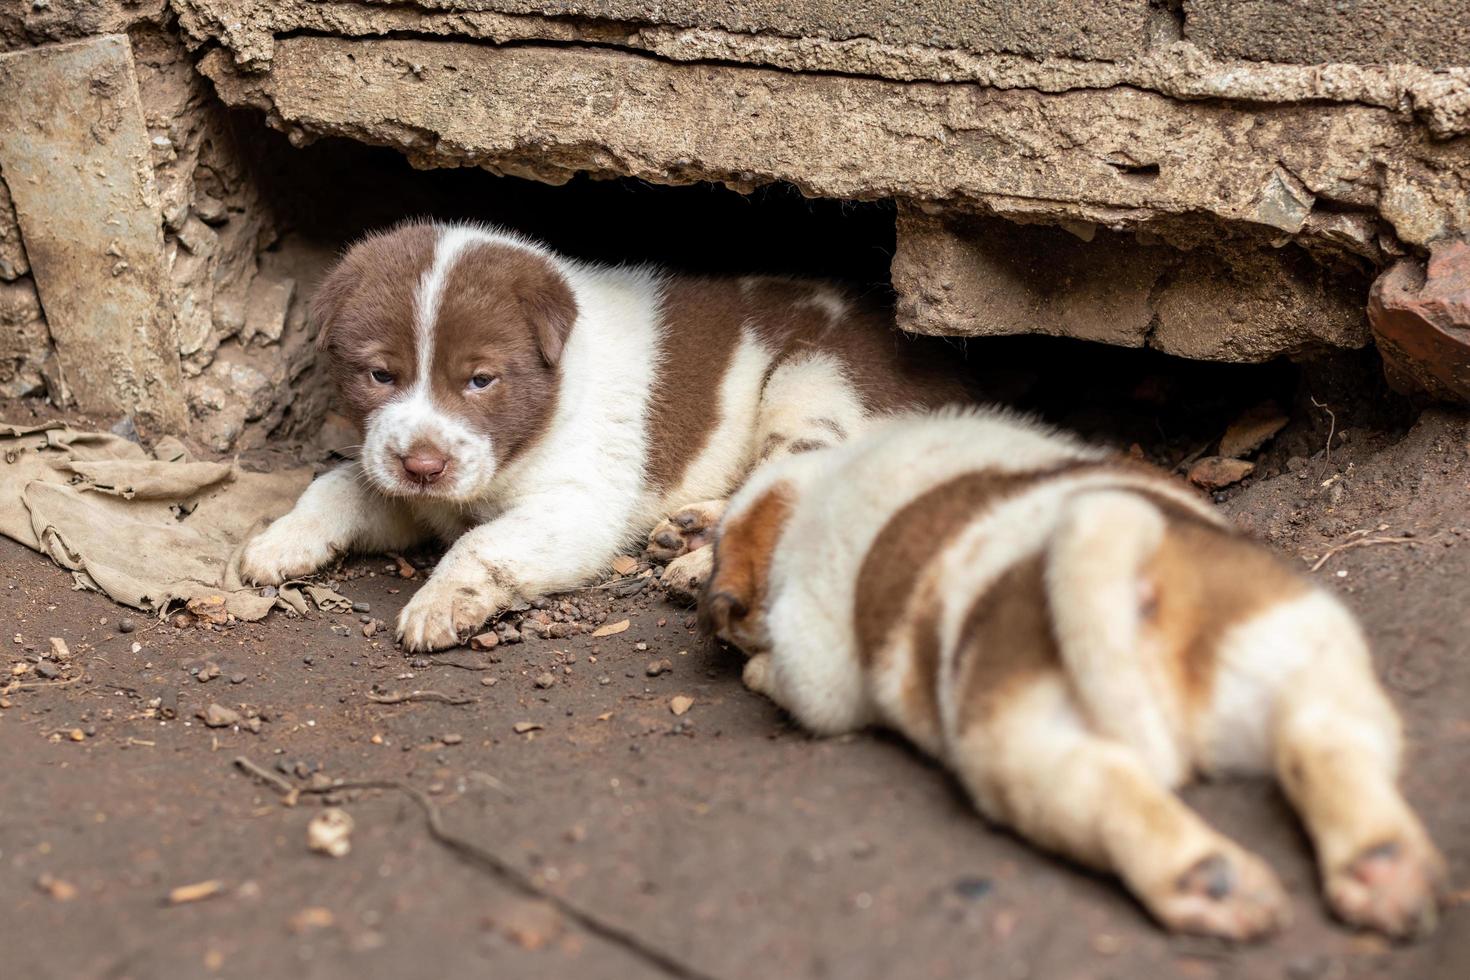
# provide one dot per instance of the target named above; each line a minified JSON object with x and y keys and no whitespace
{"x":1434,"y":33}
{"x":26,"y":23}
{"x":1093,"y":29}
{"x":214,"y":226}
{"x":76,"y":158}
{"x":1155,"y":59}
{"x":24,"y":340}
{"x":1421,"y":320}
{"x":13,"y":263}
{"x":1238,"y":301}
{"x":1120,"y":157}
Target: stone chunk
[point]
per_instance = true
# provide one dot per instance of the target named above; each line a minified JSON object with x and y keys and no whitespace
{"x":1421,"y":320}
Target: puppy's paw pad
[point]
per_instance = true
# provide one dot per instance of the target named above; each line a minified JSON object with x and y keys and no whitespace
{"x":684,"y":531}
{"x":1228,"y":894}
{"x":280,"y":553}
{"x":1391,"y":887}
{"x":442,"y":615}
{"x":687,"y":574}
{"x":757,"y":671}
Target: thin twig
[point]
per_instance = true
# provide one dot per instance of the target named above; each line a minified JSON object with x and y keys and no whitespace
{"x":457,"y":664}
{"x":265,"y":776}
{"x":400,"y":698}
{"x":1362,"y":543}
{"x":1331,"y":431}
{"x":41,"y":685}
{"x":489,"y":861}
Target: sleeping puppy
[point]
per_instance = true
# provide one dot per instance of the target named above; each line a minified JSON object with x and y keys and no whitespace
{"x":1075,"y":636}
{"x":543,"y":414}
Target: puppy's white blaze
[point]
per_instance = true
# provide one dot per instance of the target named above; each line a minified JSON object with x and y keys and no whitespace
{"x":452,"y":242}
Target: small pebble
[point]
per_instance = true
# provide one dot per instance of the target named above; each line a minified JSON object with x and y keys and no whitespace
{"x":126,"y":625}
{"x":545,"y":680}
{"x":488,"y":681}
{"x":656,"y":667}
{"x":452,"y":739}
{"x":362,"y":607}
{"x":237,"y":678}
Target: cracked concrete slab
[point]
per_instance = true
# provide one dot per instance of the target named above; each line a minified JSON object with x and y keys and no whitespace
{"x":1119,"y":157}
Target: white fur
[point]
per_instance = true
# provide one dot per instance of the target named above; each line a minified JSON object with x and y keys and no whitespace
{"x":555,"y":515}
{"x":1080,"y":758}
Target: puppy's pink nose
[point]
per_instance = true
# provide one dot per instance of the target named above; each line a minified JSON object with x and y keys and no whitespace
{"x":424,"y":467}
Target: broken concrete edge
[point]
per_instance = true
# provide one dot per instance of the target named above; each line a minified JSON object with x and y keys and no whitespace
{"x":97,"y":262}
{"x":1440,"y":98}
{"x":1117,"y":156}
{"x":1421,"y":321}
{"x":1242,"y":301}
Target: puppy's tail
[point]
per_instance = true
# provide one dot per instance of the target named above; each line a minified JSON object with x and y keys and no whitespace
{"x":1097,"y":585}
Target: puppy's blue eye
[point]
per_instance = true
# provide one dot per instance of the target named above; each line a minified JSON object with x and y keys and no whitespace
{"x":382,"y":377}
{"x":482,"y":381}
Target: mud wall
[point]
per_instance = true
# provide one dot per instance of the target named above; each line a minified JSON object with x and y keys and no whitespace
{"x":1218,"y":180}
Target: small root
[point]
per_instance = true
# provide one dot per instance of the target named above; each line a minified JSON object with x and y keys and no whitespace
{"x":399,"y":697}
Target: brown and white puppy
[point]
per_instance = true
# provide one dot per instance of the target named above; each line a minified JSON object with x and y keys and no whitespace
{"x":543,"y":414}
{"x":1075,"y":636}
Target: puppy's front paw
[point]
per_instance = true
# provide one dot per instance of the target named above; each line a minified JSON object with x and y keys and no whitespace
{"x":685,"y":531}
{"x":284,"y":551}
{"x":447,"y":611}
{"x":1230,"y":894}
{"x":1391,"y":887}
{"x":687,"y":574}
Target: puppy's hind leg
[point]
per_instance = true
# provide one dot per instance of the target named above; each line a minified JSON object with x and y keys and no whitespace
{"x":1033,"y":766}
{"x":1337,"y":747}
{"x":807,"y":404}
{"x":1097,"y":586}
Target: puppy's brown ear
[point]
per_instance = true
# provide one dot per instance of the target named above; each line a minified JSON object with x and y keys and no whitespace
{"x":552,"y":310}
{"x":331,"y":296}
{"x":719,"y":608}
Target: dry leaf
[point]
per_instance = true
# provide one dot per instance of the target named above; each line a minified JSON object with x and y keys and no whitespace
{"x":57,"y":888}
{"x":680,"y":704}
{"x":611,"y":629}
{"x":1252,"y":430}
{"x":197,"y":892}
{"x":312,"y":917}
{"x":1217,"y":472}
{"x":522,"y":727}
{"x":624,"y":565}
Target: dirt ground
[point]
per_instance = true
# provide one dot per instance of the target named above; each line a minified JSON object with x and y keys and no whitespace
{"x":723,"y":839}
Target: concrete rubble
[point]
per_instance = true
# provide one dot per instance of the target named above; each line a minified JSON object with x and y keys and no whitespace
{"x":1215,"y":180}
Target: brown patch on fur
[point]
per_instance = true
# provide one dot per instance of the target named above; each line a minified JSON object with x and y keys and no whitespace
{"x":504,"y":312}
{"x":805,"y":446}
{"x":919,"y":694}
{"x":702,"y":323}
{"x":733,"y":602}
{"x":890,"y":370}
{"x":364,"y":312}
{"x":1206,"y":580}
{"x":1006,"y":640}
{"x":892,"y":566}
{"x":701,"y":327}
